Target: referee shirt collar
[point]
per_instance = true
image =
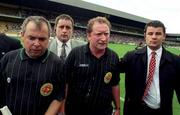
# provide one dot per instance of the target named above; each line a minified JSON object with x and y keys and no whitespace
{"x":24,"y":56}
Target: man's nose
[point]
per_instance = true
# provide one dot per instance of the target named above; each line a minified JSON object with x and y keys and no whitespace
{"x":36,"y":42}
{"x":154,"y":35}
{"x":104,"y":37}
{"x":64,"y":29}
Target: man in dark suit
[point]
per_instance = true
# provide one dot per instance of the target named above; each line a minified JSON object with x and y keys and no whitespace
{"x":7,"y":44}
{"x":151,"y":94}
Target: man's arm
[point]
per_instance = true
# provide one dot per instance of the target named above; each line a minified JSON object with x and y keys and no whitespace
{"x":62,"y":108}
{"x":53,"y":108}
{"x":177,"y":84}
{"x":116,"y":96}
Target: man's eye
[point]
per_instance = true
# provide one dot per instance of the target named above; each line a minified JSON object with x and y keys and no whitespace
{"x":150,"y":33}
{"x":99,"y":34}
{"x":106,"y":34}
{"x":32,"y":38}
{"x":158,"y":33}
{"x":68,"y":27}
{"x":42,"y":39}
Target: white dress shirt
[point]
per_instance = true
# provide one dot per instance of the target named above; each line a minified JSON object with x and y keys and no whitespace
{"x":153,"y":97}
{"x":67,"y":47}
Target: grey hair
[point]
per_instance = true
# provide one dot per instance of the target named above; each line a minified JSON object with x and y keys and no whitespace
{"x":38,"y":20}
{"x":98,"y":19}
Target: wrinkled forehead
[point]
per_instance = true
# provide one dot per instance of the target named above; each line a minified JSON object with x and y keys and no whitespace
{"x":37,"y":25}
{"x":33,"y":26}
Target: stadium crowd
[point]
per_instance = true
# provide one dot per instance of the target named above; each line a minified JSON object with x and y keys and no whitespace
{"x":13,"y":27}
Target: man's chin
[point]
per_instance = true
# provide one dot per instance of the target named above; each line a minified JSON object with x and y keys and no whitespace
{"x":102,"y":48}
{"x":154,"y":47}
{"x":64,"y":39}
{"x":35,"y":55}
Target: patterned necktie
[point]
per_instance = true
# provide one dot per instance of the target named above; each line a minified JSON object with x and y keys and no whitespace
{"x":63,"y":52}
{"x":152,"y":66}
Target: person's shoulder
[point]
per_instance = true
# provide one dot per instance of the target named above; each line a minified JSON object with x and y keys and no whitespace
{"x":79,"y":50}
{"x":80,"y":47}
{"x":52,"y":41}
{"x":12,"y":54}
{"x":14,"y":42}
{"x":53,"y":55}
{"x":170,"y":56}
{"x":12,"y":39}
{"x":76,"y":42}
{"x":2,"y":36}
{"x":54,"y":60}
{"x":168,"y":53}
{"x":136,"y":53}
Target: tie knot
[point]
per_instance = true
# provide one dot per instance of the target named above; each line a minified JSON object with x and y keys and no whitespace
{"x":153,"y":53}
{"x":64,"y":44}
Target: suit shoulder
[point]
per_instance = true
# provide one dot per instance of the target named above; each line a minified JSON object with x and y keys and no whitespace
{"x":52,"y":42}
{"x":14,"y":42}
{"x":53,"y":55}
{"x":76,"y":43}
{"x":79,"y":48}
{"x":54,"y":58}
{"x":131,"y":53}
{"x":11,"y":54}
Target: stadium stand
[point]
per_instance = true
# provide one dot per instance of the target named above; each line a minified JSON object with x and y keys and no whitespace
{"x":126,"y":28}
{"x":2,"y":27}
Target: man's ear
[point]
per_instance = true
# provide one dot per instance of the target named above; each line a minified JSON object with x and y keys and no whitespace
{"x":88,"y":37}
{"x":145,"y":36}
{"x":164,"y":38}
{"x":22,"y":36}
{"x":54,"y":31}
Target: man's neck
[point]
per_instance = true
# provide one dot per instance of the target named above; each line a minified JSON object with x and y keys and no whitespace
{"x":97,"y":53}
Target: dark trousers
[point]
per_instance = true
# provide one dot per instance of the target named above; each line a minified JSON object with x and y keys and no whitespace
{"x":140,"y":109}
{"x":149,"y":111}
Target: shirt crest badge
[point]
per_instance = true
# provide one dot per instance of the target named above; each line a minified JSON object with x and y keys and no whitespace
{"x":46,"y":89}
{"x":107,"y":77}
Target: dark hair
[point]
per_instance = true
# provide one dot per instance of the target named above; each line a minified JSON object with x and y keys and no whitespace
{"x":155,"y":23}
{"x":65,"y":17}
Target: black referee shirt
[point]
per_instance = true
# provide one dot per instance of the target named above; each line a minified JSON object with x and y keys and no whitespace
{"x":90,"y":80}
{"x":28,"y":86}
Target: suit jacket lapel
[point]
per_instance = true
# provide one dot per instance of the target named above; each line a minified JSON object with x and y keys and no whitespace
{"x":143,"y":55}
{"x":53,"y":46}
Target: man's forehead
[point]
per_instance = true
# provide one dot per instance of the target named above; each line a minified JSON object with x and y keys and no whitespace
{"x":154,"y":28}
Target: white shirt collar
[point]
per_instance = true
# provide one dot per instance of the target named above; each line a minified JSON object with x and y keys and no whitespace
{"x":158,"y":51}
{"x":59,"y":46}
{"x":59,"y":43}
